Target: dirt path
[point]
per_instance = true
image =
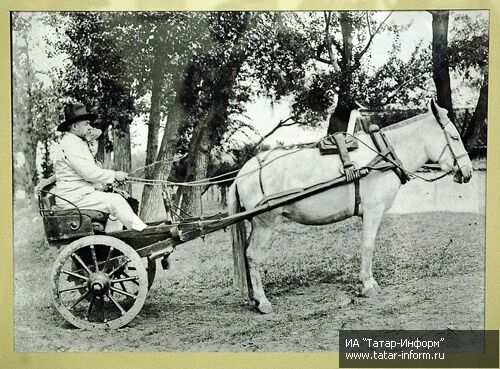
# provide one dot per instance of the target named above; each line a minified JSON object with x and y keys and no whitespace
{"x":429,"y":265}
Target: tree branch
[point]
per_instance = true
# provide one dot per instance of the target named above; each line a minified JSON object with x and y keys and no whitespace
{"x":329,"y":40}
{"x":322,"y":60}
{"x":336,"y":44}
{"x":369,"y":25}
{"x":372,"y":35}
{"x":282,"y":123}
{"x":399,"y":88}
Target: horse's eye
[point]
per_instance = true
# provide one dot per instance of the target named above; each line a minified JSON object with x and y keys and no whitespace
{"x":455,"y":138}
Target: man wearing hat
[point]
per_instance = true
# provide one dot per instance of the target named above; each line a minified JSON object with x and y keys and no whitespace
{"x":77,"y":173}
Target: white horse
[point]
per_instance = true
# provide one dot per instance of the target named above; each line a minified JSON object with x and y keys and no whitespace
{"x":416,"y":141}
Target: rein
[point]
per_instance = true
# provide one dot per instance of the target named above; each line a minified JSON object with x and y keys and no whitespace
{"x":173,"y":160}
{"x":216,"y":179}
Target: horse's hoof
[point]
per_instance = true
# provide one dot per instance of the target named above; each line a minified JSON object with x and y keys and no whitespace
{"x":377,"y":287}
{"x":265,"y":307}
{"x":369,"y":292}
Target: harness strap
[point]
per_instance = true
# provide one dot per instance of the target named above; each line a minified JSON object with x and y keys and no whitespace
{"x":264,"y":197}
{"x":403,"y":177}
{"x":357,"y":197}
{"x":386,"y":150}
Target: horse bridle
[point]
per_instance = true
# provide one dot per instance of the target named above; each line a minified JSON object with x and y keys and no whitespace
{"x":411,"y":174}
{"x":447,"y":137}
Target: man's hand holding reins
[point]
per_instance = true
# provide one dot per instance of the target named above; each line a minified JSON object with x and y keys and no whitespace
{"x":120,"y":176}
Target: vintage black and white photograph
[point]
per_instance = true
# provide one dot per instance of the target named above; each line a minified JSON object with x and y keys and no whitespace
{"x":246,"y":181}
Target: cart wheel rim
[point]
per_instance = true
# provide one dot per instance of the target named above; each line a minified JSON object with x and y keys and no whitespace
{"x":108,"y":287}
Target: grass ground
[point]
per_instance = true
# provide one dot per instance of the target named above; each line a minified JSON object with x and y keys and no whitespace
{"x":430,"y":265}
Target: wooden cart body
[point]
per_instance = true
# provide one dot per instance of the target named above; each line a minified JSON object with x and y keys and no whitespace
{"x":81,"y":235}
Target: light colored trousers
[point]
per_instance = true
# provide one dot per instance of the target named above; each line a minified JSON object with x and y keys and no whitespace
{"x":114,"y":204}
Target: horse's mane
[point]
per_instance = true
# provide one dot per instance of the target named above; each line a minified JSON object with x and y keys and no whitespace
{"x":407,"y":121}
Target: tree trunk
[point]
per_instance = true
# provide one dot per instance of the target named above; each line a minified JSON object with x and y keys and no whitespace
{"x":340,"y":117}
{"x":476,"y":129}
{"x":47,"y":165}
{"x":440,"y":62}
{"x":122,"y":155}
{"x":176,"y":200}
{"x":155,"y":112}
{"x":223,"y":196}
{"x":201,"y":142}
{"x":157,"y":75}
{"x":99,"y":156}
{"x":27,"y":136}
{"x":30,"y":175}
{"x":103,"y":154}
{"x":151,"y":206}
{"x":199,"y":150}
{"x":345,"y":101}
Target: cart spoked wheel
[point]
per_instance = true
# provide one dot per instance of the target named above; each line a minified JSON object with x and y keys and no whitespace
{"x":99,"y":282}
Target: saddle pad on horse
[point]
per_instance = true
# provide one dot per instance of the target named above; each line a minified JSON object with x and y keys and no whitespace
{"x":328,"y":146}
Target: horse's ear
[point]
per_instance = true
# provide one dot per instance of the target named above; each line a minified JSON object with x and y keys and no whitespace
{"x":433,"y":108}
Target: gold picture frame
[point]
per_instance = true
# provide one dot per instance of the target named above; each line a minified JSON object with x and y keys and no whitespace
{"x":158,"y":360}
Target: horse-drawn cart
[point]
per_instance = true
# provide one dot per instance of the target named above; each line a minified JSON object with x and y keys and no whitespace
{"x":101,"y":280}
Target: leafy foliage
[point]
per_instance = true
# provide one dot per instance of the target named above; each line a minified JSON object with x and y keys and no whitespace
{"x":96,"y":73}
{"x":468,"y":49}
{"x":398,"y":83}
{"x":34,"y":111}
{"x":213,"y":64}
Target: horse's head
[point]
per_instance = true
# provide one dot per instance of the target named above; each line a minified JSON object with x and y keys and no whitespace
{"x":447,"y":148}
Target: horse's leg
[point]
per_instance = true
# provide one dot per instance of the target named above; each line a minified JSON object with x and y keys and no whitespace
{"x":262,"y":229}
{"x":371,"y":222}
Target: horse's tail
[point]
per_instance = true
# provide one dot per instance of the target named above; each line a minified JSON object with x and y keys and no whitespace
{"x":239,"y":236}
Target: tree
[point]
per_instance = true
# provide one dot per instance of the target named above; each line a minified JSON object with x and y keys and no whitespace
{"x":440,"y":60}
{"x":163,"y":167}
{"x":167,"y":42}
{"x":210,"y":106}
{"x":25,"y":105}
{"x":468,"y":51}
{"x":397,"y":83}
{"x":97,"y":76}
{"x":36,"y":101}
{"x":353,"y":25}
{"x":46,"y":118}
{"x":199,"y":74}
{"x":280,"y":65}
{"x":323,"y":60}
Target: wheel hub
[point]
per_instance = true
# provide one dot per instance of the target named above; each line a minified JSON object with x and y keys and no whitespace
{"x":99,"y":283}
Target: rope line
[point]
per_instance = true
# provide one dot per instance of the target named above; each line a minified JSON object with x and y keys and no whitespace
{"x":214,"y":180}
{"x":209,"y":180}
{"x":173,"y":160}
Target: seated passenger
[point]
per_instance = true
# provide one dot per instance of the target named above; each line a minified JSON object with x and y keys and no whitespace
{"x":77,"y":173}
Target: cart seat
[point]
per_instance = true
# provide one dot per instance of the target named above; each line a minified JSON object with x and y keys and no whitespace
{"x":47,"y":204}
{"x":94,"y":215}
{"x":67,"y":224}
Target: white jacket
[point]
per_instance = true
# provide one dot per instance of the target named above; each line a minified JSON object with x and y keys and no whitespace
{"x":76,"y":171}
